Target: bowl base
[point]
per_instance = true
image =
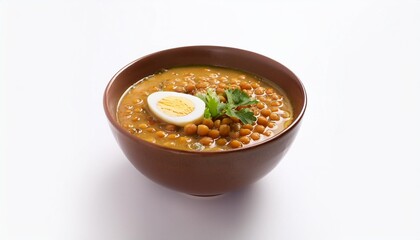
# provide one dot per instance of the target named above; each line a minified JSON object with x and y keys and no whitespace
{"x":206,"y":196}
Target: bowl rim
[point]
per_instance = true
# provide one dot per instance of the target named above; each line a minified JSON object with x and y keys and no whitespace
{"x":117,"y":126}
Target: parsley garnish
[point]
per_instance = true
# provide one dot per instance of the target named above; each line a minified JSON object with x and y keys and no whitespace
{"x":235,"y":98}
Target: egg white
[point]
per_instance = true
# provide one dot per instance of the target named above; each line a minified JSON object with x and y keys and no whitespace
{"x":193,"y":117}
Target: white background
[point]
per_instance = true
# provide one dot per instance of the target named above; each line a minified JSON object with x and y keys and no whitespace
{"x":352,"y":172}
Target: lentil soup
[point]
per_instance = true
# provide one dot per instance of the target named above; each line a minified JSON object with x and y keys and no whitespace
{"x":271,"y":110}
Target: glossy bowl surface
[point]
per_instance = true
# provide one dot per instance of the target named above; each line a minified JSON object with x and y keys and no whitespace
{"x":205,"y":173}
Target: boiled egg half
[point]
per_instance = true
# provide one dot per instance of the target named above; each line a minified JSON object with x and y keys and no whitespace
{"x":176,"y":108}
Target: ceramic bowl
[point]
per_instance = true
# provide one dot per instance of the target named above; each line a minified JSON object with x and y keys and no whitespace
{"x":205,"y":173}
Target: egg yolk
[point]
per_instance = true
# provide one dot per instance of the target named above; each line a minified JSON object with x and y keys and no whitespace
{"x":175,"y":106}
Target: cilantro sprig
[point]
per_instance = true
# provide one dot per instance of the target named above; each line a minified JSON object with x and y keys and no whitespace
{"x":235,"y":98}
{"x":214,"y":108}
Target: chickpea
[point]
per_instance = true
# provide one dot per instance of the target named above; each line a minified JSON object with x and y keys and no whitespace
{"x":247,"y":126}
{"x":190,"y":129}
{"x":189,"y":88}
{"x":240,"y":108}
{"x":249,"y":92}
{"x":262,"y":121}
{"x":206,"y":141}
{"x":234,"y":135}
{"x":260,"y":105}
{"x":274,"y":116}
{"x":244,"y":132}
{"x":235,"y":126}
{"x":235,"y":120}
{"x":222,"y":98}
{"x":245,"y":85}
{"x":271,"y":124}
{"x":255,"y":85}
{"x":214,"y":133}
{"x":151,"y":121}
{"x":259,"y":91}
{"x":150,"y":129}
{"x":221,"y":141}
{"x":220,"y":90}
{"x":160,"y":134}
{"x":216,"y":123}
{"x":268,"y":133}
{"x":274,"y":109}
{"x":275,"y":104}
{"x":245,"y":139}
{"x":224,"y":130}
{"x":261,"y":98}
{"x":226,"y":121}
{"x":259,"y":128}
{"x":266,"y":112}
{"x":208,"y":122}
{"x":180,"y":89}
{"x":235,"y":144}
{"x":183,"y":140}
{"x":255,"y":136}
{"x":170,"y":127}
{"x":269,"y":91}
{"x":235,"y":81}
{"x":202,"y":130}
{"x":173,"y":136}
{"x":202,"y":85}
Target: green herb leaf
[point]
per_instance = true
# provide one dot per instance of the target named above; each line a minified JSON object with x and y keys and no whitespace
{"x":207,"y":113}
{"x":235,"y":98}
{"x":245,"y":115}
{"x":239,"y":98}
{"x":214,"y":108}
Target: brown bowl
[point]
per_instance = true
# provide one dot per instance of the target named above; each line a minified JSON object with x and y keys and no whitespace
{"x":205,"y":173}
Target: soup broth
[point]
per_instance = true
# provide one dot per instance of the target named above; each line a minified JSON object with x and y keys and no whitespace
{"x":271,"y":110}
